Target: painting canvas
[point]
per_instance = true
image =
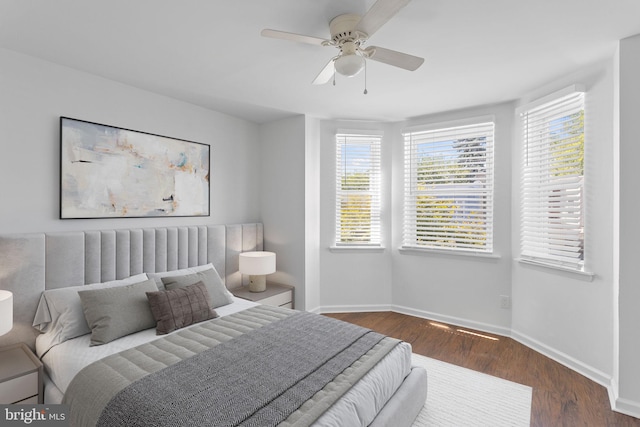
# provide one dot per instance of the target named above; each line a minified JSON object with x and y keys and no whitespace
{"x":110,"y":172}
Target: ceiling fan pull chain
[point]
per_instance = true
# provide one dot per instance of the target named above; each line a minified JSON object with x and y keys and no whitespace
{"x":365,"y":78}
{"x":334,"y":76}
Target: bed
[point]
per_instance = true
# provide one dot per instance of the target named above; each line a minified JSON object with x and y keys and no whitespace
{"x":256,"y":365}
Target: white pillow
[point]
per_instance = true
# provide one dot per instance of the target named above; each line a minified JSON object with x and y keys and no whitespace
{"x":191,"y":270}
{"x":59,"y":314}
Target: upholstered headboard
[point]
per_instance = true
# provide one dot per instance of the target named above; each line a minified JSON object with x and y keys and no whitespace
{"x":31,"y":263}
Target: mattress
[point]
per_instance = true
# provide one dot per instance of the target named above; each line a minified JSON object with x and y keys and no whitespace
{"x":359,"y":406}
{"x":65,"y":360}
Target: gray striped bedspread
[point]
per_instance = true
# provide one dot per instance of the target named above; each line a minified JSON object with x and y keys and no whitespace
{"x":116,"y":384}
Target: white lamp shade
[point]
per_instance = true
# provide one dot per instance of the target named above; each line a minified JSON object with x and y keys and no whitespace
{"x":349,"y":65}
{"x":257,"y":263}
{"x":6,"y":311}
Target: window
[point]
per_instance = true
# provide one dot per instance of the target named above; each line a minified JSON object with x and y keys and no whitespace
{"x":448,"y":202}
{"x":358,"y":190}
{"x":552,"y":223}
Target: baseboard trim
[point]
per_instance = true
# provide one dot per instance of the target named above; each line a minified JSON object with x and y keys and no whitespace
{"x":612,"y":392}
{"x":624,"y":406}
{"x":564,"y":359}
{"x":457,"y":321}
{"x":354,"y":308}
{"x":627,"y":407}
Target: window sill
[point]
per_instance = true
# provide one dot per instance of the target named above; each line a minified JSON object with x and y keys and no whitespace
{"x":585,"y":274}
{"x":420,"y":251}
{"x":356,"y":248}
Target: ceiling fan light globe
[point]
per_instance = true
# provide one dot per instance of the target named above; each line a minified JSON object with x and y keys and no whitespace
{"x":349,"y":65}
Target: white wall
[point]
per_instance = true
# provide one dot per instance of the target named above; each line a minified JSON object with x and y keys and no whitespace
{"x":569,"y":317}
{"x":352,"y":280}
{"x":35,"y":93}
{"x":282,"y":193}
{"x":564,"y":315}
{"x":460,"y":289}
{"x":628,"y":288}
{"x":464,"y":290}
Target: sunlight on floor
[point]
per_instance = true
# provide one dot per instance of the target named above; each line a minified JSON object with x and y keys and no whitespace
{"x":449,"y":328}
{"x":478,"y":335}
{"x":439,"y":325}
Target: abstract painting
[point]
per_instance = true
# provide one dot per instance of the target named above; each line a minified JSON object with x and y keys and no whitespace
{"x":110,"y":172}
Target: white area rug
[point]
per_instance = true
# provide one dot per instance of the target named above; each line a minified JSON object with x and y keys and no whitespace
{"x":461,"y":397}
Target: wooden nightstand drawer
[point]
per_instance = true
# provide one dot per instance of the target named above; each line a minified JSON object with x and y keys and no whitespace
{"x":278,"y":300}
{"x":19,"y":388}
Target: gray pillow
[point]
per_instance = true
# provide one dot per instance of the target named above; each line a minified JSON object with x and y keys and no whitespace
{"x":180,"y":307}
{"x":181,"y":272}
{"x":218,"y":294}
{"x":59,"y":314}
{"x":115,"y":312}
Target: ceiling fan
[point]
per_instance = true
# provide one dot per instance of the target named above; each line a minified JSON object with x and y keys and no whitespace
{"x":349,"y":32}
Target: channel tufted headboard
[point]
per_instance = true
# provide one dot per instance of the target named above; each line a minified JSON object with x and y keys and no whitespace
{"x":31,"y":263}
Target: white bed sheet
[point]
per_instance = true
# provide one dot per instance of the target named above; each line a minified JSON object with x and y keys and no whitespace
{"x":65,"y":360}
{"x":357,"y":407}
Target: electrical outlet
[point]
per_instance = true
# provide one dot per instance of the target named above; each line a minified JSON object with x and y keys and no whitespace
{"x":505,"y":301}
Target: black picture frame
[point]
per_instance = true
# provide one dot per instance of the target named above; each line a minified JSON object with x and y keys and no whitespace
{"x":113,"y":172}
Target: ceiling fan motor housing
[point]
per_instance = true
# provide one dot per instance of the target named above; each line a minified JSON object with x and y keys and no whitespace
{"x":343,"y":29}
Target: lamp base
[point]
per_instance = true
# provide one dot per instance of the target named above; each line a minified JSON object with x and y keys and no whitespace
{"x":257,"y":283}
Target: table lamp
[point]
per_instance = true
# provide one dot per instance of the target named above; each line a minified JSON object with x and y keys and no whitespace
{"x":6,"y":311}
{"x":257,"y":265}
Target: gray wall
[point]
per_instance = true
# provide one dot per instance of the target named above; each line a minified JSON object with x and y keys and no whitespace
{"x":282,"y":184}
{"x":627,"y":291}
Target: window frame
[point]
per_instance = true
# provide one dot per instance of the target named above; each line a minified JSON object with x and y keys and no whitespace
{"x":410,"y":209}
{"x":373,"y":139}
{"x":529,"y":251}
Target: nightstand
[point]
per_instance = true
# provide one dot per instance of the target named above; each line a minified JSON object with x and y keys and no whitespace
{"x":20,"y":375}
{"x":276,"y":294}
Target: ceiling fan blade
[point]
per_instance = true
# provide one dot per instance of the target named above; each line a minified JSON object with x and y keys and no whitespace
{"x":379,"y":14}
{"x":393,"y":57}
{"x":275,"y":34}
{"x":327,"y":72}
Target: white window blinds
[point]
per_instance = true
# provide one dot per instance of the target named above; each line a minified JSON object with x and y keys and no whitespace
{"x":552,"y":229}
{"x":448,"y":202}
{"x":358,"y":190}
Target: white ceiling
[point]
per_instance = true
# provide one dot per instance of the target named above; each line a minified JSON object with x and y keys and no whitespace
{"x":210,"y":52}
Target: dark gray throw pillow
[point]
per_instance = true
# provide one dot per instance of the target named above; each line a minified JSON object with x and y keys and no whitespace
{"x":218,"y":295}
{"x":180,"y":307}
{"x":112,"y":313}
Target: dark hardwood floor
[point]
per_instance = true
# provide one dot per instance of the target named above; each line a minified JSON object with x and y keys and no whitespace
{"x":561,"y":397}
